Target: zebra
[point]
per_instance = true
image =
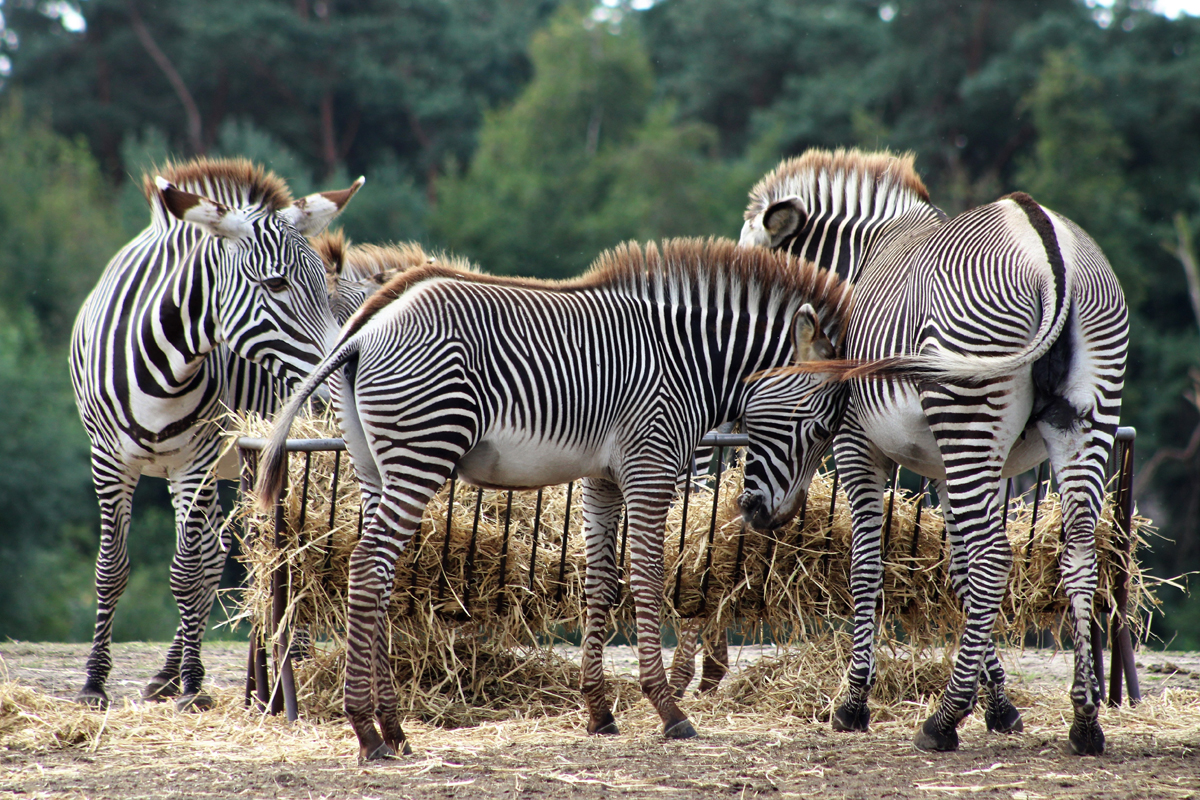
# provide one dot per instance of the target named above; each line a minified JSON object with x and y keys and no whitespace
{"x":1028,"y":328}
{"x":612,"y":377}
{"x":218,"y":303}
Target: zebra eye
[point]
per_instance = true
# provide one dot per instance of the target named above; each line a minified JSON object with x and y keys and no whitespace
{"x":276,"y":283}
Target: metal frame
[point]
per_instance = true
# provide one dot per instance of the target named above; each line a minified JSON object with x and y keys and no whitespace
{"x":280,"y":695}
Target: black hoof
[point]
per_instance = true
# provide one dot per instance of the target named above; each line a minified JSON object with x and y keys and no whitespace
{"x":92,"y":696}
{"x":381,"y":753}
{"x":609,"y":729}
{"x":930,"y":739}
{"x":851,"y":718}
{"x":161,"y":687}
{"x":200,"y":701}
{"x":1087,"y":739}
{"x":680,"y":730}
{"x":402,"y":747}
{"x":1004,"y":720}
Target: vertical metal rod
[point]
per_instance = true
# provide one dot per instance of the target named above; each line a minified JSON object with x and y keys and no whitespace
{"x":712,"y":530}
{"x":1097,"y":637}
{"x":1008,"y":490}
{"x":887,"y":523}
{"x":284,"y":694}
{"x":829,"y":527}
{"x":304,"y":491}
{"x":441,"y":590}
{"x":687,"y":497}
{"x":469,"y":570}
{"x":922,"y":495}
{"x":502,"y":596}
{"x":1037,"y":496}
{"x":537,"y":524}
{"x":337,"y":465}
{"x":562,"y":561}
{"x":1123,"y":642}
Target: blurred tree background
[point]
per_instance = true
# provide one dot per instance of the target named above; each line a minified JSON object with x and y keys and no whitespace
{"x":531,"y":134}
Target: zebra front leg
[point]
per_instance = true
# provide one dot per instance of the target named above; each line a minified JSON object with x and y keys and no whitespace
{"x":114,"y":489}
{"x":602,"y":503}
{"x":1001,"y":716}
{"x":646,"y":504}
{"x":864,"y":470}
{"x":166,"y":684}
{"x":200,"y":550}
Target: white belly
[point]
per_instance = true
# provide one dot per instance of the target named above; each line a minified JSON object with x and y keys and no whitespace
{"x":507,"y":459}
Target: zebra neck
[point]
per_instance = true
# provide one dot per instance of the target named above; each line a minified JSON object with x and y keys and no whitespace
{"x":180,"y":324}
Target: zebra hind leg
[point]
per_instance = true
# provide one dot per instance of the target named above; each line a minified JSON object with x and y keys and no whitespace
{"x":716,"y":662}
{"x":166,"y":684}
{"x":683,"y":664}
{"x":387,"y":703}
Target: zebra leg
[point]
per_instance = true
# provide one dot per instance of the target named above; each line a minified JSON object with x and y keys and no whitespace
{"x":716,"y":662}
{"x":646,"y":504}
{"x":387,"y":702}
{"x":114,"y":489}
{"x":864,"y":470}
{"x":683,"y":665}
{"x":973,"y":456}
{"x":165,"y":684}
{"x":602,"y":503}
{"x":1078,"y":458}
{"x":1001,"y":715}
{"x":200,"y":549}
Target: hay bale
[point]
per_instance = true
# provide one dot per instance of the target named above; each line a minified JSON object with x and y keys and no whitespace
{"x":463,"y":604}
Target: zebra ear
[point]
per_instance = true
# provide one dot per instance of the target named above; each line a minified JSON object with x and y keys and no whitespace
{"x":810,"y":341}
{"x":216,"y":218}
{"x":783,"y":219}
{"x":311,"y":214}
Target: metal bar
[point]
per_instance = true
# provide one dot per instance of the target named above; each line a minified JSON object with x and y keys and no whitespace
{"x":337,"y":466}
{"x":283,"y":695}
{"x":687,"y":497}
{"x":502,"y":596}
{"x":537,"y":524}
{"x":1122,"y":641}
{"x":887,"y":523}
{"x":562,"y":561}
{"x":922,"y":497}
{"x":1097,"y":636}
{"x":441,"y":590}
{"x":712,"y":530}
{"x":1037,"y":497}
{"x":469,"y":570}
{"x":829,"y":526}
{"x":304,"y":491}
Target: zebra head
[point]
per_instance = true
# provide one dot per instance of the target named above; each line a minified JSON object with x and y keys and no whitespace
{"x":790,"y":418}
{"x":266,"y":283}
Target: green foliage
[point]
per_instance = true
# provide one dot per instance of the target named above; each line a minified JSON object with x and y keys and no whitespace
{"x":57,"y":229}
{"x":585,"y":158}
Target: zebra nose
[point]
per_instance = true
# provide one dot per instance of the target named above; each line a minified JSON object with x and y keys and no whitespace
{"x":754,"y":510}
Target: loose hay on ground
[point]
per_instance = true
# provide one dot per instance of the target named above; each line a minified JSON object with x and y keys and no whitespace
{"x":462,"y":627}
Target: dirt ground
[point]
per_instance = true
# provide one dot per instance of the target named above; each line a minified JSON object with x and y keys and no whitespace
{"x":147,"y":750}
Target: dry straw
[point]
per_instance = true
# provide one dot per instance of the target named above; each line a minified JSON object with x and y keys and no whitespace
{"x":464,"y":632}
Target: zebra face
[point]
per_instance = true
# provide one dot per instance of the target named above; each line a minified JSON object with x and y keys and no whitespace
{"x":791,"y":422}
{"x":268,"y":287}
{"x":273,"y":301}
{"x":790,"y":418}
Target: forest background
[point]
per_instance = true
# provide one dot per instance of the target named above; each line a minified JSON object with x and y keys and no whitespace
{"x":530,"y":135}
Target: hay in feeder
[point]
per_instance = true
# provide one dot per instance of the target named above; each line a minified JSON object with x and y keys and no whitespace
{"x":471,"y":601}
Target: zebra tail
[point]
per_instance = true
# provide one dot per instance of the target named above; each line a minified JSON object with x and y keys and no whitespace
{"x":272,"y":464}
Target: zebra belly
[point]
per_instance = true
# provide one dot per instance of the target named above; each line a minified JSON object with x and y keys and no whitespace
{"x":514,"y":460}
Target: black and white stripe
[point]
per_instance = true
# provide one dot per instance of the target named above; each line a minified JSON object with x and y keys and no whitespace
{"x":612,"y":378}
{"x":218,"y":304}
{"x":1023,"y":328}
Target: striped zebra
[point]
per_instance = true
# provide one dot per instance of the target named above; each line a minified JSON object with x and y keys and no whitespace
{"x":217,"y":304}
{"x":1026,"y":329}
{"x":613,"y":378}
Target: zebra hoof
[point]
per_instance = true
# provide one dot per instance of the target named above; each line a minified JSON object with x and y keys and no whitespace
{"x":1086,"y":738}
{"x":381,"y":753}
{"x":401,"y":746}
{"x":680,"y":730}
{"x":931,"y":740}
{"x":92,"y":696}
{"x":200,"y":701}
{"x":161,"y":687}
{"x":851,"y":718}
{"x":609,"y":729}
{"x":1004,"y":720}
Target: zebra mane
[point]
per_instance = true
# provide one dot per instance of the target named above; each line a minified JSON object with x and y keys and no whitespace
{"x":842,"y":178}
{"x":367,"y":263}
{"x":232,"y":181}
{"x":681,"y":269}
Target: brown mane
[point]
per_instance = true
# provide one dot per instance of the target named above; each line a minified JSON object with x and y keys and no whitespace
{"x":202,"y":175}
{"x":630,"y":267}
{"x":879,"y":166}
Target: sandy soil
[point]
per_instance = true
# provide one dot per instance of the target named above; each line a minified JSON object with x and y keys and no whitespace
{"x":145,"y":750}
